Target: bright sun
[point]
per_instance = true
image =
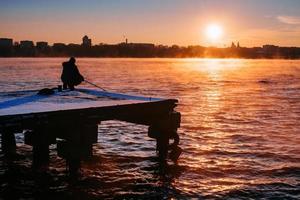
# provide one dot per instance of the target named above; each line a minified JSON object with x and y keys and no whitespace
{"x":213,"y":32}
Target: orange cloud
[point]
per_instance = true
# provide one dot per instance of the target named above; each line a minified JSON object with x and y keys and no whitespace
{"x":289,"y":19}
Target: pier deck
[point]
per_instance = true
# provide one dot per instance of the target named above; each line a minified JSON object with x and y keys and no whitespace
{"x":73,"y":116}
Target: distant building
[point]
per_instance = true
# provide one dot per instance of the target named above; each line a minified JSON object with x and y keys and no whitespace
{"x":42,"y":45}
{"x":144,"y":45}
{"x":238,"y":45}
{"x":137,"y":45}
{"x":259,"y":51}
{"x":26,"y":44}
{"x":73,"y":45}
{"x":6,"y":47}
{"x":59,"y":47}
{"x":86,"y":41}
{"x":270,"y":47}
{"x":6,"y":42}
{"x":233,"y":45}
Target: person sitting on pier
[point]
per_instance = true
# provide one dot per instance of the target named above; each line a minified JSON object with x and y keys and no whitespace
{"x":70,"y":74}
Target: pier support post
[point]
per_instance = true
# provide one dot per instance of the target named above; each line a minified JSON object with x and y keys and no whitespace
{"x":73,"y":148}
{"x":162,"y":144}
{"x":77,"y":144}
{"x":67,"y":150}
{"x":163,"y":131}
{"x":74,"y":165}
{"x":8,"y":143}
{"x":40,"y":148}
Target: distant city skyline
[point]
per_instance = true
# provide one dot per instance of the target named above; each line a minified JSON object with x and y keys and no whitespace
{"x":27,"y":48}
{"x":251,"y":22}
{"x":86,"y":41}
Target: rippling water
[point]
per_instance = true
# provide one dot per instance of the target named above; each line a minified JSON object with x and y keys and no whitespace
{"x":240,"y":131}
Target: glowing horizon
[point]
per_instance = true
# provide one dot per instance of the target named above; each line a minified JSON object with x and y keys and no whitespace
{"x":251,"y":22}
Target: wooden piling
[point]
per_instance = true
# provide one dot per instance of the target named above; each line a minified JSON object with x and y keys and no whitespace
{"x":40,"y":147}
{"x":8,"y":143}
{"x":77,"y":143}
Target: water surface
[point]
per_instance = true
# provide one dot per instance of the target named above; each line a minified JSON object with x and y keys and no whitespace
{"x":240,"y":130}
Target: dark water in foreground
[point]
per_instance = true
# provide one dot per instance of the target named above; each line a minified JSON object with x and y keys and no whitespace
{"x":240,"y":131}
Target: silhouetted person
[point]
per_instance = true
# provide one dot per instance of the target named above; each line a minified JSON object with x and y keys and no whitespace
{"x":70,"y":75}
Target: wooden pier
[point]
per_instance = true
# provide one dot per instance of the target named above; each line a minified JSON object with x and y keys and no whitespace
{"x":71,"y":118}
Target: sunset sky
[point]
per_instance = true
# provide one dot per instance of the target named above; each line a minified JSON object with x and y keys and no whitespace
{"x":252,"y":22}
